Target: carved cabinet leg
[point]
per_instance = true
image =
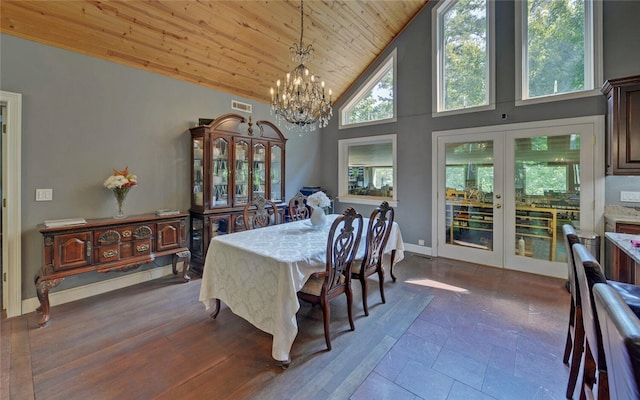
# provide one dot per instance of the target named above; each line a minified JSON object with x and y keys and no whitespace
{"x":185,"y":256}
{"x":42,"y":290}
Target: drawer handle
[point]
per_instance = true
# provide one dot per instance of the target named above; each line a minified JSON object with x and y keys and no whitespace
{"x":142,"y":247}
{"x":126,"y":233}
{"x":110,"y":253}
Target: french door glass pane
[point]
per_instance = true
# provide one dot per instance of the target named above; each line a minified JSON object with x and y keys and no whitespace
{"x":547,"y":193}
{"x":469,"y":194}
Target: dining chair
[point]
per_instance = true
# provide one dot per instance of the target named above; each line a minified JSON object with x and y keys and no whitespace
{"x":620,"y":329}
{"x":298,"y":209}
{"x":575,"y":330}
{"x":260,"y":213}
{"x":588,"y":273}
{"x":335,"y":280}
{"x":378,"y":230}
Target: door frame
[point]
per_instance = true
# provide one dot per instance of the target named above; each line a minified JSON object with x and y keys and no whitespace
{"x":595,"y":224}
{"x":11,"y":222}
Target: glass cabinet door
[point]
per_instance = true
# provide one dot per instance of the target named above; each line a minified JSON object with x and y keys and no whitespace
{"x":241,"y":184}
{"x":276,"y":173}
{"x":259,"y":168}
{"x":219,"y":172}
{"x":197,"y":184}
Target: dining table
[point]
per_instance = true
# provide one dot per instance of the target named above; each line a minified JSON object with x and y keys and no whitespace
{"x":257,"y":273}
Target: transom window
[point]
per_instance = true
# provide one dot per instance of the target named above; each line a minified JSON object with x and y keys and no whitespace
{"x":375,"y":102}
{"x":558,"y":48}
{"x":463,"y":68}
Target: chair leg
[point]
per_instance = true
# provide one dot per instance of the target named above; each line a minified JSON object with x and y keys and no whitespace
{"x":363,"y":281}
{"x":381,"y":280}
{"x":589,"y":372}
{"x":568,"y":345}
{"x":578,"y":349}
{"x":326,"y":314}
{"x":349,"y":309}
{"x":603,"y":385}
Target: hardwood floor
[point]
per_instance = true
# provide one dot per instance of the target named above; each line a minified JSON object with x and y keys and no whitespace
{"x":450,"y":330}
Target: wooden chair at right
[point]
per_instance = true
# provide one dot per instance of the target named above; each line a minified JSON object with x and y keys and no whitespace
{"x":298,"y":209}
{"x":575,"y":330}
{"x":260,"y":213}
{"x":574,"y":346}
{"x":594,"y":371}
{"x":335,"y":280}
{"x":378,"y":230}
{"x":620,"y":329}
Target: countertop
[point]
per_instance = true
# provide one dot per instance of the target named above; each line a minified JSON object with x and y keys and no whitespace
{"x":623,"y":242}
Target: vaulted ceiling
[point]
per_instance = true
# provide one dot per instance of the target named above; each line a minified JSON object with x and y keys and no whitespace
{"x":239,"y":47}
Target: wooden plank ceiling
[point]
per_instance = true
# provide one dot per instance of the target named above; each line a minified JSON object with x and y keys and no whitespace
{"x":239,"y":47}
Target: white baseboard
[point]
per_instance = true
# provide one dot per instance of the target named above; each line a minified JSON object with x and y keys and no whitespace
{"x":92,"y":289}
{"x":414,"y":248}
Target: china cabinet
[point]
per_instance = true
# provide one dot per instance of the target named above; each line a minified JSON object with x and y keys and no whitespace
{"x":107,"y":244}
{"x":233,"y":161}
{"x":623,"y":125}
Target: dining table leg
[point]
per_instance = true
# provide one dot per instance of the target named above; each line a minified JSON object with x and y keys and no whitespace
{"x":215,"y":309}
{"x":393,"y":259}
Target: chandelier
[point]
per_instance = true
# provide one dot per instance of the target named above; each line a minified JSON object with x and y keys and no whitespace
{"x":300,"y":99}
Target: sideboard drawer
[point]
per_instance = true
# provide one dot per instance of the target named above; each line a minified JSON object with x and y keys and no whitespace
{"x":109,"y":253}
{"x":141,"y":247}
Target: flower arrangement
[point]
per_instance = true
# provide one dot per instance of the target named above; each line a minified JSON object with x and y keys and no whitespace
{"x":120,"y":183}
{"x":318,"y":199}
{"x":121,"y":179}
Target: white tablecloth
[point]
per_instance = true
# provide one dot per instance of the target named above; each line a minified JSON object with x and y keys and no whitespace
{"x":257,"y":273}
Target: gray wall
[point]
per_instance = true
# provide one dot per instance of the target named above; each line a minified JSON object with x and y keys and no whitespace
{"x":83,"y":116}
{"x":415,"y":124}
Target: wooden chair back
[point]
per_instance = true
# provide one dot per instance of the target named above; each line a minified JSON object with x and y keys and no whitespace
{"x":620,"y":329}
{"x":342,"y":245}
{"x":298,"y":209}
{"x":260,"y":213}
{"x":380,"y":223}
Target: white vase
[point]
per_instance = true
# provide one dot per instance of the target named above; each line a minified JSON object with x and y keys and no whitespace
{"x":318,"y":218}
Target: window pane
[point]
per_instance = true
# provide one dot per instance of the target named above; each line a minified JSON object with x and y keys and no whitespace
{"x":377,"y":104}
{"x":465,"y":66}
{"x":556,"y":47}
{"x":370,"y":169}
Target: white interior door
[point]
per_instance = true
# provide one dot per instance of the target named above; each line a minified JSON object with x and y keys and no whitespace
{"x":505,"y":192}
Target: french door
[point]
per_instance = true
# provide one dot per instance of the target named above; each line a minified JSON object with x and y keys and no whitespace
{"x":505,"y":192}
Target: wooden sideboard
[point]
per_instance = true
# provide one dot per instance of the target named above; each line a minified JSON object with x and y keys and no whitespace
{"x":108,"y":244}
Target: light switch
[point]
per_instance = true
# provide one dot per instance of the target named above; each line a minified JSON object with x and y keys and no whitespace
{"x":44,"y":194}
{"x":633,"y":197}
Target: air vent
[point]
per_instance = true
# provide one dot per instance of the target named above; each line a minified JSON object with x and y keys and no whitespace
{"x":236,"y":105}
